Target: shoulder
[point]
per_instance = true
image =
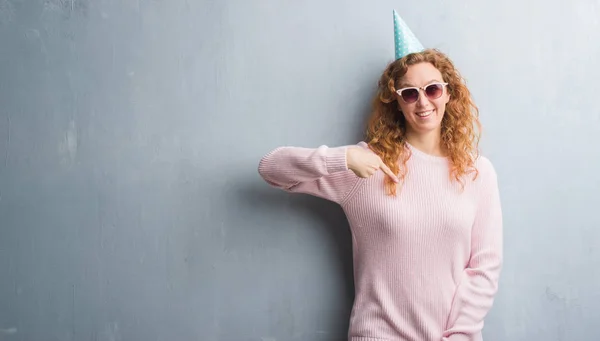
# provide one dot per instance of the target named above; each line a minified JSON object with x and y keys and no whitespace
{"x":487,"y":174}
{"x":484,"y":164}
{"x":363,"y":144}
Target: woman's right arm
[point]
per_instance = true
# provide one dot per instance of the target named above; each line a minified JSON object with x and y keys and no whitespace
{"x":322,"y":171}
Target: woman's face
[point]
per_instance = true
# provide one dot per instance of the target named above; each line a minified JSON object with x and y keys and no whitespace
{"x":423,"y":108}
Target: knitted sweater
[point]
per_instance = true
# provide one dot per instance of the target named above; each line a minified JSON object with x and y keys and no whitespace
{"x":427,"y":262}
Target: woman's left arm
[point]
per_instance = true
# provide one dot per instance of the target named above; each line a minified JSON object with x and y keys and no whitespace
{"x":475,"y":293}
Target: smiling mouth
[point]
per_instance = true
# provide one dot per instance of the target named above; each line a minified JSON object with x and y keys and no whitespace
{"x":425,"y":113}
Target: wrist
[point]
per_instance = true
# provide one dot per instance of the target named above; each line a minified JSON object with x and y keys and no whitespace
{"x":349,"y":156}
{"x":336,"y":160}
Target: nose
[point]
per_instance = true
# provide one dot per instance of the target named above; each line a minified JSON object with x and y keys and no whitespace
{"x":422,"y":100}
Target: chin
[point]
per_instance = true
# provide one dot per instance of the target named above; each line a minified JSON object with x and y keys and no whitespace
{"x":426,"y":128}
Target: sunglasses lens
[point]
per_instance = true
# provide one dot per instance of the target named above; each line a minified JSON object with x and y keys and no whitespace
{"x":434,"y":90}
{"x":410,"y":95}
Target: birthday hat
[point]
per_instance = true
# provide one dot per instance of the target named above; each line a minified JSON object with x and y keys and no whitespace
{"x":405,"y":40}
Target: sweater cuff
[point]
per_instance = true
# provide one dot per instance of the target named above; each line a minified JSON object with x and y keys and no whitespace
{"x":336,"y":160}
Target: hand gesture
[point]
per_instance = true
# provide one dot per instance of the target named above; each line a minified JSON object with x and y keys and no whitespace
{"x":365,"y":163}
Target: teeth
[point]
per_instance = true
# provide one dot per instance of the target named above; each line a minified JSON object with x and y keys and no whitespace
{"x":425,"y":113}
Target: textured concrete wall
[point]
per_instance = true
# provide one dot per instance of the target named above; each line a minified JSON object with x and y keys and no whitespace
{"x":130,"y":133}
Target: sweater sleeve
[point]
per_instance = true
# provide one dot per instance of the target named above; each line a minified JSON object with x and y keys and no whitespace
{"x":475,"y":293}
{"x":321,"y":172}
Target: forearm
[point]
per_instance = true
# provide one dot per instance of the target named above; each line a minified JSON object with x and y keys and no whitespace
{"x":285,"y":167}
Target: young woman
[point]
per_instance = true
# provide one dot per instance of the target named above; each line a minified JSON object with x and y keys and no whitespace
{"x":423,"y":206}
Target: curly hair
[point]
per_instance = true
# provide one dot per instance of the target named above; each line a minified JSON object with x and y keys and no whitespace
{"x":386,"y":127}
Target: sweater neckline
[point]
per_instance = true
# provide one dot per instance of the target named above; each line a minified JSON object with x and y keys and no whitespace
{"x":425,"y":156}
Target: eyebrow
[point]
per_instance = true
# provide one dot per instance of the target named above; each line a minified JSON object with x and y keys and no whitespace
{"x":408,"y":85}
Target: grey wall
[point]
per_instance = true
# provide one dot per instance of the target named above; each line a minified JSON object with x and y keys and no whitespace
{"x":131,"y":130}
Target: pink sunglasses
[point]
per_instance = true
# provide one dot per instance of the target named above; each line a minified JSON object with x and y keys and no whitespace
{"x":411,"y":94}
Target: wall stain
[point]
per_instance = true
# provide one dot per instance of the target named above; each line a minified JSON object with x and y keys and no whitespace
{"x":7,"y":12}
{"x":68,"y":146}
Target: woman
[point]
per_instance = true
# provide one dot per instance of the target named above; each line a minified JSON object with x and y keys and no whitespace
{"x":422,"y":204}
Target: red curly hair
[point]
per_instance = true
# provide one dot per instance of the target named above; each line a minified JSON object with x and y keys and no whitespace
{"x":386,"y":127}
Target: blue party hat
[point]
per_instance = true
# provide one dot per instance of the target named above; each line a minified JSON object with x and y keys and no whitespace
{"x":405,"y":40}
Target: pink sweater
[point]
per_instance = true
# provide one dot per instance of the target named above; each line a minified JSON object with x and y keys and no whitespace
{"x":427,"y":262}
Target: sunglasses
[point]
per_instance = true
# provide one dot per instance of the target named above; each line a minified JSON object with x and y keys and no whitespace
{"x":411,"y":94}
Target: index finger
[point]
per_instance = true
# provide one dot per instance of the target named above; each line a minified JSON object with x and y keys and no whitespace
{"x":388,"y":171}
